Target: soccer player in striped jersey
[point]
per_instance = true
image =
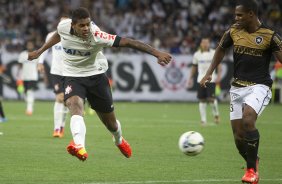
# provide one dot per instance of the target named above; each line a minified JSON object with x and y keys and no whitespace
{"x":84,"y":70}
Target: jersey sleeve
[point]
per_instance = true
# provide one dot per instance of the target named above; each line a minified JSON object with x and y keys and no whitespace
{"x":23,"y":57}
{"x":102,"y":38}
{"x":59,"y":28}
{"x":44,"y":54}
{"x":276,"y":43}
{"x":226,"y":40}
{"x":195,"y":59}
{"x":63,"y":26}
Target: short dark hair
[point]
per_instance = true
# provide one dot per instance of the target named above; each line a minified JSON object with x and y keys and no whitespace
{"x":79,"y":13}
{"x":248,"y":5}
{"x":206,"y":36}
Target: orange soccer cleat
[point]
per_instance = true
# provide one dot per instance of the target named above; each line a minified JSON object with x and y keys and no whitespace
{"x":250,"y":177}
{"x":216,"y":119}
{"x":77,"y":151}
{"x":62,"y":131}
{"x":125,"y":148}
{"x":56,"y":133}
{"x":28,"y":113}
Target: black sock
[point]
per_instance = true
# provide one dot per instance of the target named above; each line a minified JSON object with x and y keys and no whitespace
{"x":1,"y":110}
{"x":242,"y":148}
{"x":252,"y":143}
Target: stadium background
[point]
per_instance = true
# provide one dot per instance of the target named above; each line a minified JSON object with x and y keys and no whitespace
{"x":30,"y":155}
{"x":172,"y":25}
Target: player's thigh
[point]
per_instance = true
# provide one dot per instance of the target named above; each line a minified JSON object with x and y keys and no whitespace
{"x":211,"y":90}
{"x":206,"y":93}
{"x":236,"y":110}
{"x":30,"y":85}
{"x":249,"y":118}
{"x":99,"y":95}
{"x":201,"y":93}
{"x":57,"y":83}
{"x":75,"y":105}
{"x":259,"y":98}
{"x":75,"y":86}
{"x":236,"y":102}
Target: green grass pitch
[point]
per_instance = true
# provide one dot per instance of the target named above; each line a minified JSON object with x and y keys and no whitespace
{"x":30,"y":155}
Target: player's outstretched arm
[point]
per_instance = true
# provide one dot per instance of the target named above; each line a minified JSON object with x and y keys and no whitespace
{"x":163,"y":57}
{"x":217,"y":58}
{"x":52,"y":41}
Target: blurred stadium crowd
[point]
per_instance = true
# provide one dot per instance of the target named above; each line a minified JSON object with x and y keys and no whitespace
{"x":172,"y":25}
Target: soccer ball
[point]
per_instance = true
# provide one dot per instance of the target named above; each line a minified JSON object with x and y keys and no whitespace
{"x":191,"y":143}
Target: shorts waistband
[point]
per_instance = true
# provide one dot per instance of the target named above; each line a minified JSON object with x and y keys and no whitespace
{"x":241,"y":83}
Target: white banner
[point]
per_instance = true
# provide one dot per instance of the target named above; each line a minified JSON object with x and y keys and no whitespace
{"x":141,"y":78}
{"x":136,"y":77}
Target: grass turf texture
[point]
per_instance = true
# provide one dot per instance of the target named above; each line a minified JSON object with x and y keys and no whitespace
{"x":30,"y":155}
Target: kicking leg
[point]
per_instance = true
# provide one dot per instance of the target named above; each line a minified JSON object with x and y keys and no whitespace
{"x":114,"y":126}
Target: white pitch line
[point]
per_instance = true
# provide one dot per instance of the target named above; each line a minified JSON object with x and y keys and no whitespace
{"x":181,"y":181}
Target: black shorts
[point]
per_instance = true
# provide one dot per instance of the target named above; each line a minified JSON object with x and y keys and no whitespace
{"x":95,"y":88}
{"x":208,"y":92}
{"x":30,"y":85}
{"x":57,"y":83}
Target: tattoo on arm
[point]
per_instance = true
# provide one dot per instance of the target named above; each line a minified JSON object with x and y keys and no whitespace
{"x":135,"y":44}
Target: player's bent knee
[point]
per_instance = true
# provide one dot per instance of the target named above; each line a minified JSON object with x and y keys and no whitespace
{"x":239,"y":135}
{"x":60,"y":98}
{"x":75,"y":105}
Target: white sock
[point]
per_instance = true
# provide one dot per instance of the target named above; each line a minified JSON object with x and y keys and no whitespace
{"x":29,"y":100}
{"x":117,"y":134}
{"x":78,"y":129}
{"x":215,"y":110}
{"x":58,"y":115}
{"x":65,"y":112}
{"x":203,"y":113}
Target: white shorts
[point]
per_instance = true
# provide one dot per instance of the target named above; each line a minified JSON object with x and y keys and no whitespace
{"x":256,"y":96}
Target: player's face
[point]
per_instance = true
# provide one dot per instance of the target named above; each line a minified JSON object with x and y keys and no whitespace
{"x":82,"y":27}
{"x":242,"y":17}
{"x":30,"y":46}
{"x":205,"y":44}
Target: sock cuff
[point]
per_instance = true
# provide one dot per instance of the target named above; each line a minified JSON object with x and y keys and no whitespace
{"x":76,"y":117}
{"x":118,"y":126}
{"x":252,"y":135}
{"x":203,"y":103}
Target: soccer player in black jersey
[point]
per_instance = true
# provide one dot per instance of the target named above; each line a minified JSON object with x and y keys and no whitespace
{"x":253,"y":45}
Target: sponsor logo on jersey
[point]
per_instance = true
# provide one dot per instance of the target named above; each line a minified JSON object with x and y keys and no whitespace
{"x":58,"y":47}
{"x":104,"y":35}
{"x":77,"y":52}
{"x":234,"y":96}
{"x":247,"y":50}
